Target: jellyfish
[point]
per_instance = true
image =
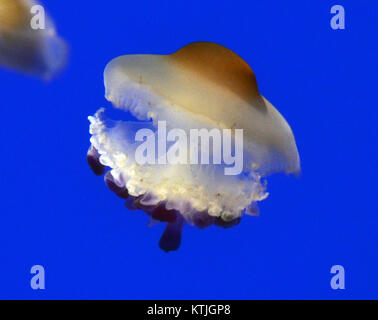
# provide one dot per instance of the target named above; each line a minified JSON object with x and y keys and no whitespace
{"x":28,"y":40}
{"x":202,"y":86}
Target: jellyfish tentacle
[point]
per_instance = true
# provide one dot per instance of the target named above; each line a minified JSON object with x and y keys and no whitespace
{"x":93,"y":159}
{"x":202,"y":219}
{"x":157,"y":212}
{"x":130,"y":205}
{"x":219,"y":222}
{"x":161,"y":213}
{"x":171,"y":237}
{"x":120,"y":191}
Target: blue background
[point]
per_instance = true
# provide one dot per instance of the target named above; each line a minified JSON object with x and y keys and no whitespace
{"x":56,"y":213}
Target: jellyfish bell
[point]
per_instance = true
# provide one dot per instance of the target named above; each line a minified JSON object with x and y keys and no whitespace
{"x":34,"y":50}
{"x":202,"y":85}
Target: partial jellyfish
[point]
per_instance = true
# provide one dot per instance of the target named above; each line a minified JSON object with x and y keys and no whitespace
{"x":201,"y":92}
{"x":28,"y":40}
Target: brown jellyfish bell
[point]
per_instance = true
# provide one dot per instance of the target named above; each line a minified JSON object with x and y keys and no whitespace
{"x":38,"y":51}
{"x":201,"y":86}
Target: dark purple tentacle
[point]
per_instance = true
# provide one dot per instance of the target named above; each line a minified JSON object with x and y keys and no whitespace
{"x":171,"y":237}
{"x":113,"y":186}
{"x":219,"y":222}
{"x":93,"y":159}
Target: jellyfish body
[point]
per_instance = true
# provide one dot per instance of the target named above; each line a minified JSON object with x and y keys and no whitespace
{"x":201,"y":86}
{"x":29,"y":43}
